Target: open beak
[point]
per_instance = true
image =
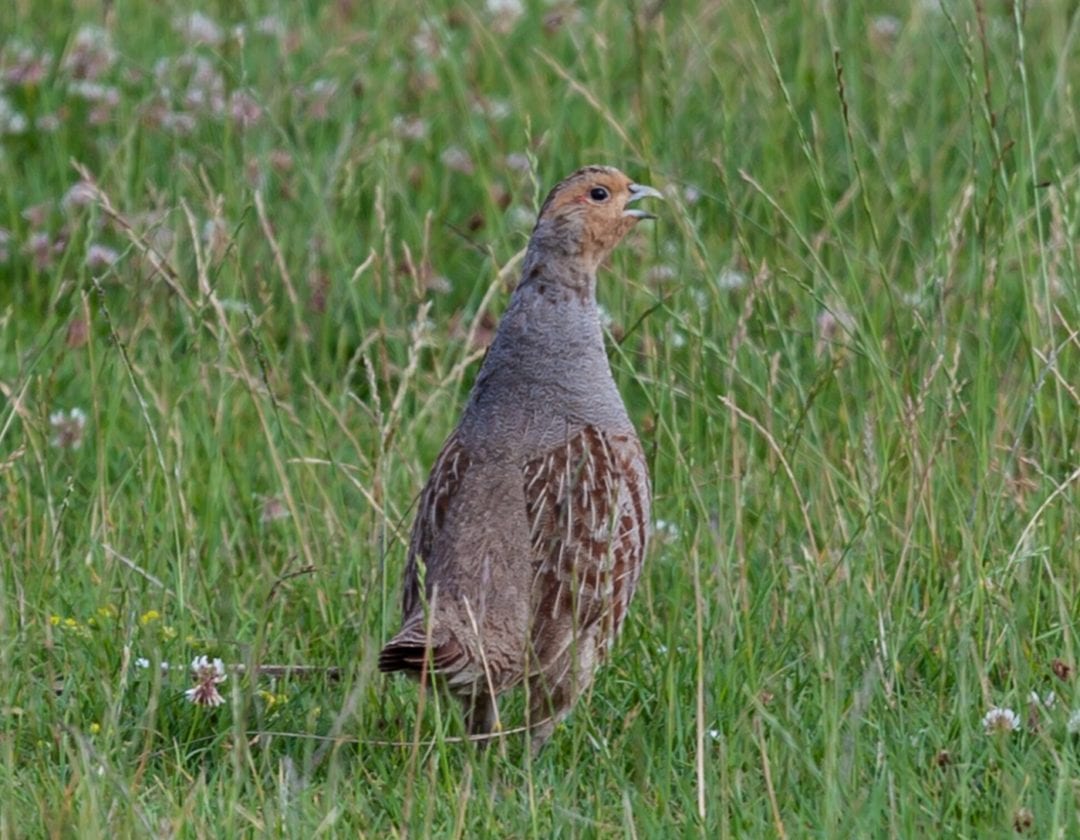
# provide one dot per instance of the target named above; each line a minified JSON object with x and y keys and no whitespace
{"x":638,"y":191}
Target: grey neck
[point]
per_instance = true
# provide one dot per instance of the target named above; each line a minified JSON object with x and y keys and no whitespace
{"x":546,"y":373}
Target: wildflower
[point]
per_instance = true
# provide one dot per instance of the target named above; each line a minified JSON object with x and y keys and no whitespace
{"x":209,"y":674}
{"x":67,"y":428}
{"x":243,"y":108}
{"x":80,"y":194}
{"x":318,"y":98}
{"x":832,"y":325}
{"x":731,"y":279}
{"x":520,"y":217}
{"x":168,"y":632}
{"x":271,"y":699}
{"x":407,"y":128}
{"x":41,"y":250}
{"x":1000,"y":720}
{"x":661,"y":273}
{"x":1073,"y":726}
{"x":1046,"y":702}
{"x":518,"y":161}
{"x":91,"y":54}
{"x":197,"y":28}
{"x":281,"y":160}
{"x":142,"y":662}
{"x":456,"y":158}
{"x":273,"y":509}
{"x":505,"y":13}
{"x":96,"y":93}
{"x":11,"y":121}
{"x":605,"y":317}
{"x":24,"y":66}
{"x":669,"y":530}
{"x":54,"y":620}
{"x":715,"y":734}
{"x":271,"y":26}
{"x":94,"y":728}
{"x":100,"y":256}
{"x":177,"y":122}
{"x":885,"y":29}
{"x":149,"y":617}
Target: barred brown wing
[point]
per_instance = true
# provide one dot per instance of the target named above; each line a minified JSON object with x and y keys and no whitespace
{"x":587,"y":502}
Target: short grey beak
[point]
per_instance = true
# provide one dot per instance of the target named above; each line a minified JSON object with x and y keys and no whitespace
{"x":639,"y":191}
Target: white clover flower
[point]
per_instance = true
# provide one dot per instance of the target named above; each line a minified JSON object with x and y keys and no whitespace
{"x":1046,"y":702}
{"x":90,"y":55}
{"x":886,"y":27}
{"x":669,"y":530}
{"x":244,"y":108}
{"x":456,"y":158}
{"x":142,"y":662}
{"x":273,"y":509}
{"x":605,"y":317}
{"x":518,"y":162}
{"x":95,"y":92}
{"x":209,"y":674}
{"x":661,"y":273}
{"x":68,"y":428}
{"x":1000,"y":720}
{"x":731,"y":279}
{"x":11,"y":120}
{"x":409,"y":128}
{"x":100,"y":256}
{"x":505,"y":7}
{"x":197,"y":28}
{"x":270,"y":25}
{"x":81,"y":194}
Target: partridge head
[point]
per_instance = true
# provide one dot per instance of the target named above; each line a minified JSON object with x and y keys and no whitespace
{"x":587,"y":214}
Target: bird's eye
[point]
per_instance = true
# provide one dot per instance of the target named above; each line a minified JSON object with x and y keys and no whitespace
{"x":598,"y":194}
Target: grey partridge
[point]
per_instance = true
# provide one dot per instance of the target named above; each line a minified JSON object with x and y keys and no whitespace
{"x":531,"y":531}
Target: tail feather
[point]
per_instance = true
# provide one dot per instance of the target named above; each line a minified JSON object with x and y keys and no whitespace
{"x":413,"y":651}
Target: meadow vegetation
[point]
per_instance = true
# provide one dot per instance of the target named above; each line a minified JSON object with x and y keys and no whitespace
{"x":250,"y":256}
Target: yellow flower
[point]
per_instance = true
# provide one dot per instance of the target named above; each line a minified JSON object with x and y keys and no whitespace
{"x":70,"y":623}
{"x":168,"y":631}
{"x":95,"y":728}
{"x":149,"y":617}
{"x":271,"y":699}
{"x":108,"y":611}
{"x":54,"y":620}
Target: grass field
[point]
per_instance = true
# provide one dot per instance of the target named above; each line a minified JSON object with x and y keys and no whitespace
{"x":249,"y":257}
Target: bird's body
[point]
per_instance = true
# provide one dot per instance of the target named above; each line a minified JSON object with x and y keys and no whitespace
{"x":532,"y":527}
